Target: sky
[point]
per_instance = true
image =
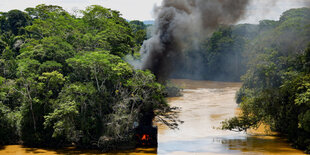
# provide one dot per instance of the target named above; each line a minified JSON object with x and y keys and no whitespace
{"x":131,"y":9}
{"x":266,"y":9}
{"x":142,"y":9}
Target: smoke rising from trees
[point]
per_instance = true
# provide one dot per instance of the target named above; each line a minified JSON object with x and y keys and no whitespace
{"x":179,"y":26}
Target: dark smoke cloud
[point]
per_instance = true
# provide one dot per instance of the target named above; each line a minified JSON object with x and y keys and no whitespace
{"x":180,"y":25}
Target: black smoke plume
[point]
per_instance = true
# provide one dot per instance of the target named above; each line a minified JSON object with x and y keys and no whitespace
{"x":179,"y":26}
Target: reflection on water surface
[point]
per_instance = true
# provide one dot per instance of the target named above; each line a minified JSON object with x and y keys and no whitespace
{"x":203,"y":106}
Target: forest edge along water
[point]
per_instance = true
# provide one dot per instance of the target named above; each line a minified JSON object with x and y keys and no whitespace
{"x":204,"y":105}
{"x":96,"y":80}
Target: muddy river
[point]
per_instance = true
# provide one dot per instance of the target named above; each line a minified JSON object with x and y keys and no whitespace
{"x":204,"y":105}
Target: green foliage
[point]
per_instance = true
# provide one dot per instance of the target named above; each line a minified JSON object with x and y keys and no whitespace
{"x":295,"y":13}
{"x":219,"y":57}
{"x":139,"y":30}
{"x":48,"y":49}
{"x":8,"y":125}
{"x":107,"y":28}
{"x":14,"y":21}
{"x":63,"y":120}
{"x":98,"y":66}
{"x":225,"y":54}
{"x":104,"y":100}
{"x":63,"y":81}
{"x":276,"y":88}
{"x":49,"y":66}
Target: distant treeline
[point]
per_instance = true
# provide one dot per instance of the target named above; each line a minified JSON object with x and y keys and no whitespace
{"x":276,"y":86}
{"x":63,"y":80}
{"x":225,"y":55}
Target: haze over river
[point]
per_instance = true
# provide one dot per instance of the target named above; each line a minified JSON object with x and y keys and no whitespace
{"x":204,"y":105}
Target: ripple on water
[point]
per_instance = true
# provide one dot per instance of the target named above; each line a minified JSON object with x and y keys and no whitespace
{"x":204,"y":105}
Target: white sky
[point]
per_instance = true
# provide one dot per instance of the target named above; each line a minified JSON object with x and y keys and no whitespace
{"x":264,"y":9}
{"x":131,"y":9}
{"x":142,"y":9}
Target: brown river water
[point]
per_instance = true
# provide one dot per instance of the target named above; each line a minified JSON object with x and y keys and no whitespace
{"x":204,"y":105}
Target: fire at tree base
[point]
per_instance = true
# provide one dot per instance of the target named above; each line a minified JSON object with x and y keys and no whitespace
{"x":146,"y":133}
{"x":146,"y":136}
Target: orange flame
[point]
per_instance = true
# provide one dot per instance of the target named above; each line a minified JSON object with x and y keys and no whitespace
{"x":145,"y":137}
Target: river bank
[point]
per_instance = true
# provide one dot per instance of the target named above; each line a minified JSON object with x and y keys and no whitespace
{"x":204,"y":105}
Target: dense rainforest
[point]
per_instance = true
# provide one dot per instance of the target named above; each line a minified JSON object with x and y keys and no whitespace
{"x":226,"y":54}
{"x":63,"y":80}
{"x":272,"y":59}
{"x":276,"y":86}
